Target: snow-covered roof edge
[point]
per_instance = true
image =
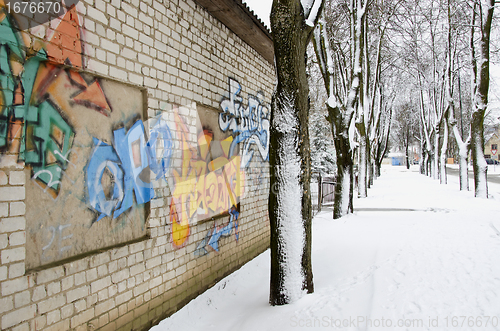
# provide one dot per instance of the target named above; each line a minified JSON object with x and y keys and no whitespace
{"x":241,"y":20}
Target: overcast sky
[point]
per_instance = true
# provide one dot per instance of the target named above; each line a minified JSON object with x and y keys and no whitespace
{"x":262,"y":8}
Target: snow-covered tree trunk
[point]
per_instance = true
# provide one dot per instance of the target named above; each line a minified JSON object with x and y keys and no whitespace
{"x":407,"y":148}
{"x":423,"y":152}
{"x":290,"y":208}
{"x":371,"y":166}
{"x":342,"y":203}
{"x":363,"y":162}
{"x":423,"y":159}
{"x":427,"y":160}
{"x":443,"y":156}
{"x":342,"y":102}
{"x":463,"y":153}
{"x":435,"y":155}
{"x":478,"y":160}
{"x":463,"y":147}
{"x":378,"y":166}
{"x":481,"y":69}
{"x":381,"y":143}
{"x":426,"y":163}
{"x":464,"y":168}
{"x":363,"y":120}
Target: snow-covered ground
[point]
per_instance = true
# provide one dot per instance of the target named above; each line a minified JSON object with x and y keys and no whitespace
{"x":415,"y":255}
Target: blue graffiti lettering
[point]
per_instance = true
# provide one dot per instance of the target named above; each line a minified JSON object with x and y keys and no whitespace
{"x":131,"y":162}
{"x":250,"y":123}
{"x":104,"y":157}
{"x":213,"y":235}
{"x":160,"y":141}
{"x":131,"y":149}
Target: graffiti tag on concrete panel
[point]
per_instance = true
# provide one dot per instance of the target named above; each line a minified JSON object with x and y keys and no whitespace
{"x":131,"y":162}
{"x":207,"y":184}
{"x":250,"y":124}
{"x":82,"y":140}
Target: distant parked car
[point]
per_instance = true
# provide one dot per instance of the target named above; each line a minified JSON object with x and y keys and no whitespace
{"x":491,"y":161}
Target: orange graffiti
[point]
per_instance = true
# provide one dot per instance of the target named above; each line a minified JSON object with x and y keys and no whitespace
{"x":204,"y":186}
{"x":93,"y":97}
{"x":15,"y":135}
{"x":66,"y":44}
{"x":66,"y":86}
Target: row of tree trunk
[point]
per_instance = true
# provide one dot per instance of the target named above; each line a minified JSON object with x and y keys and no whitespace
{"x":434,"y":154}
{"x":356,"y":106}
{"x":350,"y":105}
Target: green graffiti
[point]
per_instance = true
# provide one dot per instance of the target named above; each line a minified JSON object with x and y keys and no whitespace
{"x":28,"y":76}
{"x":28,"y":111}
{"x":9,"y":37}
{"x":46,"y":138}
{"x":10,"y":44}
{"x":7,"y":89}
{"x":52,"y":138}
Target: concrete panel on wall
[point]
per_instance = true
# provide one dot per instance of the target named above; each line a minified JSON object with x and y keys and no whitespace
{"x":86,"y":154}
{"x":82,"y":140}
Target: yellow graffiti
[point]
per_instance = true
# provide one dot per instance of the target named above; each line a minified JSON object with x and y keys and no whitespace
{"x":204,"y":187}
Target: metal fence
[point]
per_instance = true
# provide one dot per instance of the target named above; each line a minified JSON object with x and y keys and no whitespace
{"x":322,"y":192}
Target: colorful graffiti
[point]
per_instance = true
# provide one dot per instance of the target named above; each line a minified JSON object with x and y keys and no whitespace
{"x":67,"y":127}
{"x":43,"y":137}
{"x":87,"y":152}
{"x":250,"y":124}
{"x":207,"y":184}
{"x":131,"y":162}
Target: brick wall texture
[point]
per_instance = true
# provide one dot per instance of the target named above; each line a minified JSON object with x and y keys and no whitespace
{"x":188,"y":67}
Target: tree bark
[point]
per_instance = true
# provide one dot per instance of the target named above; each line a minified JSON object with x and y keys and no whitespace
{"x":482,"y":84}
{"x":290,"y":208}
{"x":371,"y":166}
{"x":342,"y":201}
{"x":363,"y":161}
{"x":463,"y":147}
{"x":407,"y":147}
{"x":435,"y":155}
{"x":444,"y":148}
{"x":427,"y":156}
{"x":423,"y":155}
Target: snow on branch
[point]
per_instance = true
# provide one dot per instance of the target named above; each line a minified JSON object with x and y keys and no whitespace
{"x":326,"y":63}
{"x":307,"y":5}
{"x":318,"y":45}
{"x":311,"y":10}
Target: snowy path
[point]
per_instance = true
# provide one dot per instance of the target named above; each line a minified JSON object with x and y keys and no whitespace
{"x":436,"y":267}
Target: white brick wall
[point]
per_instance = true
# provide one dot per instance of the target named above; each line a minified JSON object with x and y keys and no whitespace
{"x":183,"y":56}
